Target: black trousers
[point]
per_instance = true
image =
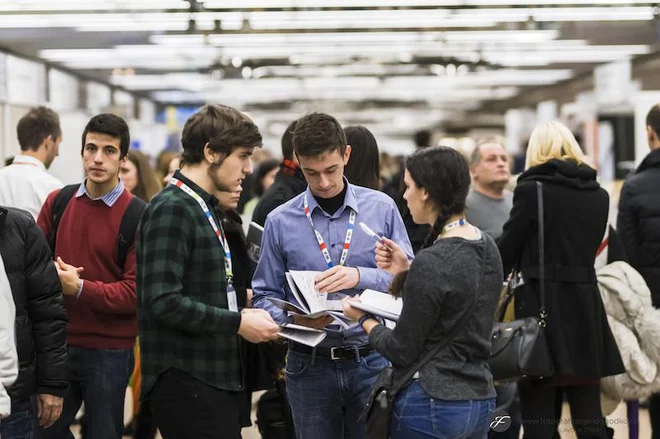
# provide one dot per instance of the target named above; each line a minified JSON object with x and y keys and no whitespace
{"x":654,"y":414}
{"x":540,"y":405}
{"x":185,"y":408}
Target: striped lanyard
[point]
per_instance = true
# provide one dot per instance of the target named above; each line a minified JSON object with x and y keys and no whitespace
{"x":319,"y":238}
{"x":453,"y":225}
{"x":219,"y":232}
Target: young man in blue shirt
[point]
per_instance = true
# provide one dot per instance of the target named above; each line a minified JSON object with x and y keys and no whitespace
{"x":328,"y":386}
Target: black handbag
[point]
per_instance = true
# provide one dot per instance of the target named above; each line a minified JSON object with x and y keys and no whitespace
{"x":378,"y":411}
{"x":520,"y":348}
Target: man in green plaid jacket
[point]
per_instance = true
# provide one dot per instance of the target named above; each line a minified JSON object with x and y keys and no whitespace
{"x":189,"y":321}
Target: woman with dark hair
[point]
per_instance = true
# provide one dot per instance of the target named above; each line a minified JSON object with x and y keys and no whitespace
{"x":452,"y":286}
{"x":363,"y":167}
{"x":264,"y":177}
{"x":138,"y":176}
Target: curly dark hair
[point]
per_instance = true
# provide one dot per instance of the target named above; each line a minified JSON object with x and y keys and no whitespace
{"x":223,"y":128}
{"x":318,"y":133}
{"x":445,"y":175}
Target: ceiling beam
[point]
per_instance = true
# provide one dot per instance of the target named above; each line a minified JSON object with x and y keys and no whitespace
{"x":644,"y":68}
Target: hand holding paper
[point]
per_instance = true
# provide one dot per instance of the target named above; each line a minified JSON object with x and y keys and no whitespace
{"x":349,"y":310}
{"x":337,"y":278}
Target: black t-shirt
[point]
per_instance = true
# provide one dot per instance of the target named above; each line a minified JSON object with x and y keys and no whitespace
{"x":331,"y":205}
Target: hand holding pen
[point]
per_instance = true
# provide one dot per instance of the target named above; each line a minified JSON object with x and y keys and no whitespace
{"x":389,"y":256}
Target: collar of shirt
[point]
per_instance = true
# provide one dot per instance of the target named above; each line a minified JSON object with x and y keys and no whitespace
{"x":109,"y":199}
{"x":21,"y":159}
{"x":349,"y":201}
{"x":209,"y":199}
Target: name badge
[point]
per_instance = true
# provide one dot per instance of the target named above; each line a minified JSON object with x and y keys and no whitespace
{"x":232,"y":301}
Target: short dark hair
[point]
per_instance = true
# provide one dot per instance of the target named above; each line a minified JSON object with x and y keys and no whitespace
{"x":318,"y":133}
{"x":422,"y":138}
{"x":287,"y":141}
{"x":36,"y":126}
{"x":223,"y":128}
{"x":363,"y":167}
{"x":111,"y":125}
{"x":653,"y":119}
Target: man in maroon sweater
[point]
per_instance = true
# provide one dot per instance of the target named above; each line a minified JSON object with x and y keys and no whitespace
{"x":99,"y":295}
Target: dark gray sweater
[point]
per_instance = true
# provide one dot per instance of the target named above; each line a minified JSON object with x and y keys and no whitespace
{"x":440,"y":287}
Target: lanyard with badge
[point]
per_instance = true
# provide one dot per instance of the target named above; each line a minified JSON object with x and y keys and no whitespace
{"x":323,"y":246}
{"x":220,"y":233}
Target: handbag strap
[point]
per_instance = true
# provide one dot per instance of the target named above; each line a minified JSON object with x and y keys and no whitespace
{"x":453,"y":332}
{"x":543,"y":314}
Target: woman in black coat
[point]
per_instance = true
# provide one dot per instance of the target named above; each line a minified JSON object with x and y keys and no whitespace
{"x":579,"y":337}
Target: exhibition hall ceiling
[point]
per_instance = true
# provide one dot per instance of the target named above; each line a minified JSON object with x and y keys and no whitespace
{"x":398,"y":63}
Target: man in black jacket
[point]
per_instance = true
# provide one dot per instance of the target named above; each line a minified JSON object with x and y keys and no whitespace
{"x":289,"y":181}
{"x":638,"y":224}
{"x":40,"y":325}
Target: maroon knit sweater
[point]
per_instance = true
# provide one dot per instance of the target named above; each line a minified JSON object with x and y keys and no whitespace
{"x":104,"y":315}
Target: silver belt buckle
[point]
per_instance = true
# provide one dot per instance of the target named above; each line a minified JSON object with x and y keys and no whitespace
{"x":332,"y":354}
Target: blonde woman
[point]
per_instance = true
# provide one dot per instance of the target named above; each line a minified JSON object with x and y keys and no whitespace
{"x":580,"y":339}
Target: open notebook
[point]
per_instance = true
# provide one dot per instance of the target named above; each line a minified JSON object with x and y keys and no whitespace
{"x":310,"y":302}
{"x":380,"y":304}
{"x":302,"y":334}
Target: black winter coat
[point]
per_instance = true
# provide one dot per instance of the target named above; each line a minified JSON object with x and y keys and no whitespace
{"x":40,"y":315}
{"x":575,"y":217}
{"x":288,"y":184}
{"x":638,"y":222}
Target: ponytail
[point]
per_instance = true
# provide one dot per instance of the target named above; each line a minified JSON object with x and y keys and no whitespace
{"x":439,"y":224}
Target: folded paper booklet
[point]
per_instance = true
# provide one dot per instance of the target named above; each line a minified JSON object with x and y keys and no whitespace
{"x":310,"y":302}
{"x":302,"y":334}
{"x":253,"y":241}
{"x":380,"y":304}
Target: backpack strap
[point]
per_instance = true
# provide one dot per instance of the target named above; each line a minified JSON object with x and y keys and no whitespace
{"x":128,"y":228}
{"x":60,"y":203}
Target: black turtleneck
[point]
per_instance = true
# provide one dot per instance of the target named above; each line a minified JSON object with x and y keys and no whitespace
{"x":331,"y":205}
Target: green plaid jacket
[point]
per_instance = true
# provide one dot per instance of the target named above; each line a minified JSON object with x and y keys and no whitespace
{"x":183,"y":316}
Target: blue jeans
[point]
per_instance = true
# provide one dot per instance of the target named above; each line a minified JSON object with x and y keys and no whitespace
{"x":327,"y":397}
{"x":418,"y":416}
{"x":97,"y":377}
{"x":21,"y":422}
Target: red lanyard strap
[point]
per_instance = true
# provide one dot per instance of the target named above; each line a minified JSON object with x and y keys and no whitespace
{"x":319,"y":238}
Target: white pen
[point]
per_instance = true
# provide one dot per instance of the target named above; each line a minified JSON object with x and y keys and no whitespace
{"x":373,"y":234}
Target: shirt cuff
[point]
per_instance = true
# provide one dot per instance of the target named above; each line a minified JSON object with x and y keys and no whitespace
{"x":368,"y":278}
{"x":80,"y":288}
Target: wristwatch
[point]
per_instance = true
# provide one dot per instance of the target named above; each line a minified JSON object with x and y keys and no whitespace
{"x":364,"y":318}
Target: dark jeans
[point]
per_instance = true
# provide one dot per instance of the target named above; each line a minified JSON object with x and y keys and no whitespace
{"x":418,"y":416}
{"x":540,"y":405}
{"x":97,"y":377}
{"x":185,"y":407}
{"x":328,"y":397}
{"x":21,"y":422}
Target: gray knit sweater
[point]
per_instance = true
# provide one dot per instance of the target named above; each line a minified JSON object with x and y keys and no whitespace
{"x":440,"y":287}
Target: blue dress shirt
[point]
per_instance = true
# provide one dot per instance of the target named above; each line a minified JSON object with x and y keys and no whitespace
{"x":289,"y":243}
